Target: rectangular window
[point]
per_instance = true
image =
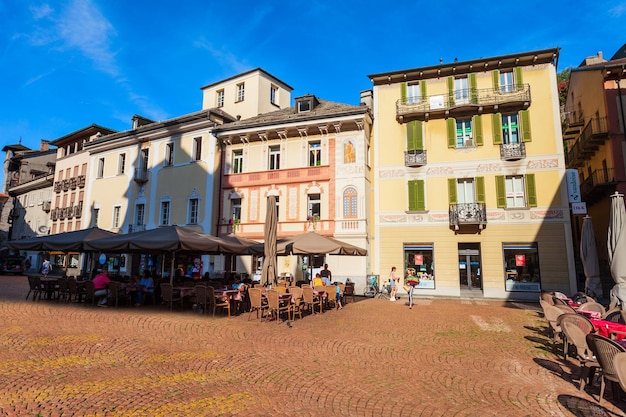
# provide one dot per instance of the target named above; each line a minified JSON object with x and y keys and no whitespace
{"x":277,"y":208}
{"x":461,"y":90}
{"x":165,"y":213}
{"x":274,"y":94}
{"x":507,"y":84}
{"x":193,"y":210}
{"x":521,"y":262}
{"x":220,"y":98}
{"x":169,"y":154}
{"x":116,"y":217}
{"x":315,"y":154}
{"x":304,"y":106}
{"x":413,"y":94}
{"x":235,"y":208}
{"x":314,"y":205}
{"x":510,"y":128}
{"x":197,"y":149}
{"x":515,"y":195}
{"x":100,"y":173}
{"x":238,"y":161}
{"x":121,"y":164}
{"x":465,"y":191}
{"x":143,"y":163}
{"x":417,"y":196}
{"x":464,"y":138}
{"x":96,"y":215}
{"x":419,"y":262}
{"x":274,"y":160}
{"x":241,"y":91}
{"x":140,"y":213}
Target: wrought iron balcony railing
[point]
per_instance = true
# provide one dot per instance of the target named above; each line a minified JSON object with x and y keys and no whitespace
{"x":468,"y":214}
{"x":512,"y":151}
{"x":141,"y":175}
{"x":414,"y":158}
{"x":444,"y":105}
{"x":597,"y":185}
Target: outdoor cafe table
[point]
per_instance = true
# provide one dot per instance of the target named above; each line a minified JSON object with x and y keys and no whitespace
{"x":49,"y":285}
{"x":607,"y":328}
{"x":185,"y":291}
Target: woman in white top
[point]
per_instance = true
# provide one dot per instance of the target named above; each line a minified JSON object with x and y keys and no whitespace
{"x":393,"y":280}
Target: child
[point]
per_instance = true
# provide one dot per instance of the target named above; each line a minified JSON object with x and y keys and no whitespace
{"x":338,"y":297}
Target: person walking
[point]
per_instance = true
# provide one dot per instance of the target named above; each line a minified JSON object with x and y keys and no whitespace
{"x":45,"y":267}
{"x":412,"y":281}
{"x":393,"y":284}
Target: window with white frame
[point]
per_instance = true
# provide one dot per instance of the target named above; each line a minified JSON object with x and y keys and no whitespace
{"x":274,"y":158}
{"x":100,"y":173}
{"x":465,"y":191}
{"x":116,"y":216}
{"x":413,"y":93}
{"x":140,"y":213}
{"x":220,"y":98}
{"x":461,"y":90}
{"x":238,"y":161}
{"x":277,"y":207}
{"x":165,"y":213}
{"x":273,"y":94}
{"x":464,"y":133}
{"x":121,"y":163}
{"x":235,"y":208}
{"x":314,"y":205}
{"x":194,"y":204}
{"x":241,"y":91}
{"x":515,"y":191}
{"x":315,"y":154}
{"x":197,"y":149}
{"x":169,"y":154}
{"x":506,"y":82}
{"x":510,"y":128}
{"x":350,"y":203}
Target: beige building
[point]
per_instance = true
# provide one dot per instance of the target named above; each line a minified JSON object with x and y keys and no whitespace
{"x":469,"y":168}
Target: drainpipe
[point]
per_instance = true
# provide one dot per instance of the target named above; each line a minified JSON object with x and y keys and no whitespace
{"x":219,"y":187}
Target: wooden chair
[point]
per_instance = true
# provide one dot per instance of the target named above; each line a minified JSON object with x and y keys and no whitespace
{"x":63,"y":290}
{"x":201,"y":297}
{"x":256,"y":302}
{"x":619,"y":363}
{"x":34,"y":284}
{"x":90,"y":292}
{"x":605,"y":350}
{"x":75,"y":294}
{"x":296,"y":302}
{"x":309,"y":300}
{"x":118,"y":294}
{"x":575,"y":328}
{"x":167,"y":294}
{"x":274,"y":306}
{"x":214,"y":302}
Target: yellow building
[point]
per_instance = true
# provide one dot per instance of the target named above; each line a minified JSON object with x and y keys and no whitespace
{"x":469,"y":178}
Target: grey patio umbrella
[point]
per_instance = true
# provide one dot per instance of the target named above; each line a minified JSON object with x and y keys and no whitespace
{"x":268,"y":273}
{"x":589,"y":258}
{"x":74,"y":241}
{"x":616,"y":246}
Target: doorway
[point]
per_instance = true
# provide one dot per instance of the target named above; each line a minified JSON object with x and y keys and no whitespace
{"x":470,"y":271}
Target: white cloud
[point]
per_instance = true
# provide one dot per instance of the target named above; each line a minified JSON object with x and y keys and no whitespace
{"x":618,"y":11}
{"x":39,"y":12}
{"x":224,"y":58}
{"x":38,"y":77}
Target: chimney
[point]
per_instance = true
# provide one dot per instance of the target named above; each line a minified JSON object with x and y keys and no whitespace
{"x":367,"y":98}
{"x":45,"y":145}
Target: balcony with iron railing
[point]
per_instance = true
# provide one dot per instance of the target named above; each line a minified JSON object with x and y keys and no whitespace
{"x":474,"y":214}
{"x":462,"y":103}
{"x":588,"y":142}
{"x":45,"y":206}
{"x":136,"y":228}
{"x":414,"y":158}
{"x":598,"y":185}
{"x":81,"y":181}
{"x":141,"y":175}
{"x":58,"y":186}
{"x":512,"y":151}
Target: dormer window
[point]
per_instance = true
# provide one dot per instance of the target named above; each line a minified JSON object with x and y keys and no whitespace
{"x":304,"y":106}
{"x":306,"y":103}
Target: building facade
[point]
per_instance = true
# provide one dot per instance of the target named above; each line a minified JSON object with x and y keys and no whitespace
{"x":595,"y":122}
{"x":469,"y":177}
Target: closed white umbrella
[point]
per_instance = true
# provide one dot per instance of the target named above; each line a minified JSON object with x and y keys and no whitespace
{"x":589,"y":258}
{"x":616,"y":246}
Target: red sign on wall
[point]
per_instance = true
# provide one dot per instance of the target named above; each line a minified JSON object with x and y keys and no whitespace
{"x":419,"y":259}
{"x":520,"y":260}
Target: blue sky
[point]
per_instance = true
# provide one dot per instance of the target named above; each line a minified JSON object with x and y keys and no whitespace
{"x":66,"y":64}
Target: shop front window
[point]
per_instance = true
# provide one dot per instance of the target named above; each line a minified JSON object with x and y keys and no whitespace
{"x":521,"y":267}
{"x":419,"y":261}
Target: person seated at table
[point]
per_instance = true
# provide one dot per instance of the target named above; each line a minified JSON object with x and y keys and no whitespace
{"x":144,"y":285}
{"x":100,"y":285}
{"x":318,"y":281}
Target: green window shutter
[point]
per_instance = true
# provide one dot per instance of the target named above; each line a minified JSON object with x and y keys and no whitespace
{"x":531,"y":192}
{"x":451,"y":128}
{"x":414,"y":136}
{"x":480,"y":189}
{"x":417,"y":201}
{"x":473,"y":88}
{"x":496,"y":119}
{"x":501,"y":191}
{"x":403,"y":93}
{"x":525,"y":122}
{"x":495,"y":76}
{"x":477,"y":129}
{"x":423,"y":89}
{"x":451,"y":91}
{"x":517,"y":73}
{"x":419,"y":135}
{"x":452,"y":198}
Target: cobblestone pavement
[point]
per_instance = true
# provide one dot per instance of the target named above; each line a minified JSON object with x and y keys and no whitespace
{"x":445,"y":357}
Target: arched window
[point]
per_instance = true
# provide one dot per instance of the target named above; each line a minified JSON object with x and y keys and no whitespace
{"x":349,"y":203}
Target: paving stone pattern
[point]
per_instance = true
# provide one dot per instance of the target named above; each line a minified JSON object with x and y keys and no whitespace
{"x":445,"y":357}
